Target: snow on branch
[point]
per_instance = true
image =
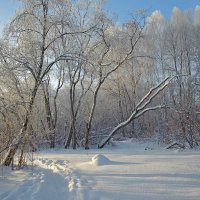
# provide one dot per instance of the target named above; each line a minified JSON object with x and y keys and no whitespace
{"x":141,"y":107}
{"x":175,"y":145}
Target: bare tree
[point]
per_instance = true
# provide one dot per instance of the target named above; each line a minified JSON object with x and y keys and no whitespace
{"x":140,"y":108}
{"x":77,"y":76}
{"x":51,"y":108}
{"x":111,"y":56}
{"x":35,"y":31}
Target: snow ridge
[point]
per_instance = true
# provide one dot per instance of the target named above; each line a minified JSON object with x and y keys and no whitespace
{"x":74,"y":181}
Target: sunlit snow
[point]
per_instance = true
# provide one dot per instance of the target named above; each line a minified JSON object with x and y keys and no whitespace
{"x":124,"y":171}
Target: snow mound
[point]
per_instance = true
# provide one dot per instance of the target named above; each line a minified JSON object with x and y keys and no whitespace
{"x":100,"y":159}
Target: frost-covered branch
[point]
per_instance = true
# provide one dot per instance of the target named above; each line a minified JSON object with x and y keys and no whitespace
{"x":140,"y":108}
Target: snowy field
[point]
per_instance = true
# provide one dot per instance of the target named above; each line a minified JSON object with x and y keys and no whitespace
{"x":115,"y":173}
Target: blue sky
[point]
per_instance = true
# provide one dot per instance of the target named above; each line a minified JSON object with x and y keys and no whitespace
{"x":122,"y":8}
{"x":7,"y":9}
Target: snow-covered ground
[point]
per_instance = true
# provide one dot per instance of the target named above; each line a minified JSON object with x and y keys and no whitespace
{"x":123,"y":171}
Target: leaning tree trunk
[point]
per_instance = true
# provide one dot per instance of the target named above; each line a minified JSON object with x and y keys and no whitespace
{"x":17,"y":141}
{"x":10,"y":155}
{"x":15,"y":144}
{"x":140,"y":108}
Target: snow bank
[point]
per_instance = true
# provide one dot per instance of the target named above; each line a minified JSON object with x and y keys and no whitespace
{"x":126,"y":174}
{"x":100,"y":159}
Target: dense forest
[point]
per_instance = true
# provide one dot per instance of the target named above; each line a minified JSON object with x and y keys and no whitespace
{"x":72,"y":76}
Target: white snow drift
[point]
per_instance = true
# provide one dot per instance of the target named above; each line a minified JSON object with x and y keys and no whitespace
{"x":109,"y":174}
{"x":100,"y":160}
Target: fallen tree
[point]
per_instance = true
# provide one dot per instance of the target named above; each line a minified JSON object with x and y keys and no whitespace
{"x":140,"y":108}
{"x":175,"y":145}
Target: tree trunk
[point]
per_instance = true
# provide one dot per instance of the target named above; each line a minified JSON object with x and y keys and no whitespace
{"x":87,"y":129}
{"x":13,"y":148}
{"x":89,"y":123}
{"x":52,"y":139}
{"x":21,"y":159}
{"x":140,"y":108}
{"x":74,"y":139}
{"x":121,"y":113}
{"x":11,"y":153}
{"x":69,"y":139}
{"x":49,"y":117}
{"x":16,"y":142}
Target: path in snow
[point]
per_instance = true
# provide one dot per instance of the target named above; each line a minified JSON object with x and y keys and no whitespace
{"x":39,"y":184}
{"x":114,"y":175}
{"x":50,"y":180}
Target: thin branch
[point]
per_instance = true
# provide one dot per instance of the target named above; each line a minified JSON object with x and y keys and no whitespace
{"x":140,"y":108}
